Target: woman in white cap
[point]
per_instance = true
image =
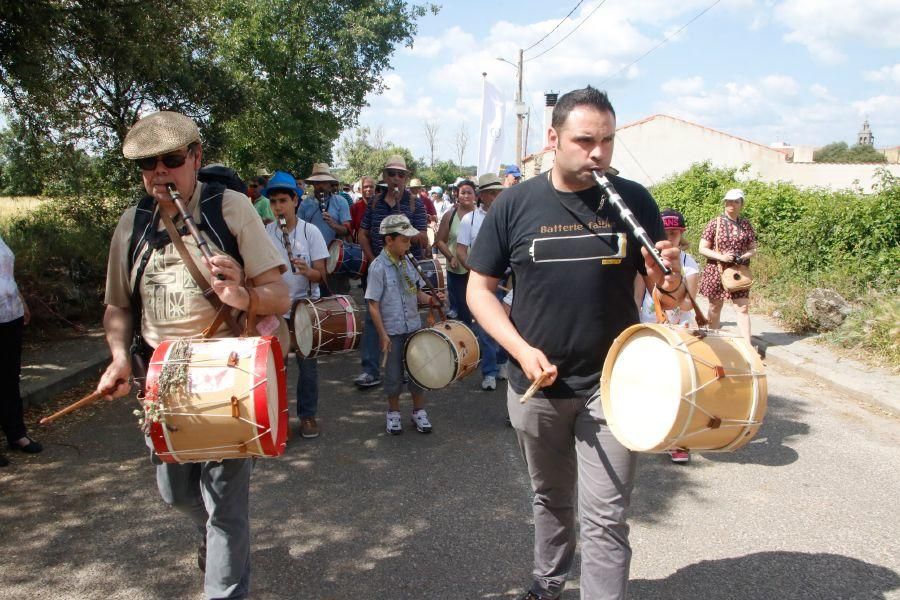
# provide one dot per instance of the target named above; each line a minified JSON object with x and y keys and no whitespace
{"x":728,"y":239}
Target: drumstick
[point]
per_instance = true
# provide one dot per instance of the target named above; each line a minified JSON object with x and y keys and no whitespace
{"x":534,"y":387}
{"x":75,"y":406}
{"x":89,"y":399}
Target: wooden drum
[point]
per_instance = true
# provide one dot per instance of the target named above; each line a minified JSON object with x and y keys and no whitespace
{"x":669,"y":387}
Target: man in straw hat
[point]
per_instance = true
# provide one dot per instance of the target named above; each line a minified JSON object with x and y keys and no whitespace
{"x":395,"y":199}
{"x":575,"y":265}
{"x":167,"y":303}
{"x":330,"y":213}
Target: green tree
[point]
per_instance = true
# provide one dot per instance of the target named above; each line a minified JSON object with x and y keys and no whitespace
{"x":443,"y":173}
{"x":361,"y":156}
{"x":81,"y":73}
{"x":307,"y":67}
{"x":839,"y":152}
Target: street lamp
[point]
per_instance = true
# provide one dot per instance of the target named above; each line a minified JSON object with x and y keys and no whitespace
{"x":520,"y":107}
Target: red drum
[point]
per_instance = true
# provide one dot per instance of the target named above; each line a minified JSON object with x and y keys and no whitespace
{"x":217,"y":399}
{"x":326,"y":326}
{"x":346,"y":258}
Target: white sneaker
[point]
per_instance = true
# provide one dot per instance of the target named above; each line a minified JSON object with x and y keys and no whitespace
{"x":393,"y":422}
{"x":503,"y":373}
{"x":489,"y":383}
{"x":420,"y":419}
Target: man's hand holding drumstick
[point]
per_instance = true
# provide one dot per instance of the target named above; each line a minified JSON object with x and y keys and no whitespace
{"x":488,"y":311}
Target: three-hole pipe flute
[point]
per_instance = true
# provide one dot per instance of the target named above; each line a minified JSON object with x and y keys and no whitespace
{"x":191,"y":225}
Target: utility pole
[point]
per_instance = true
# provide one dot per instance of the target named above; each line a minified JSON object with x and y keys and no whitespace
{"x":520,"y":114}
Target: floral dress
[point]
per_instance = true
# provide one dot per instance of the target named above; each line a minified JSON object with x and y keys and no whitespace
{"x":736,"y":238}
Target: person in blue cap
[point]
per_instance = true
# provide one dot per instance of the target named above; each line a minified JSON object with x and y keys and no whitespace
{"x":511,"y":176}
{"x":308,"y":254}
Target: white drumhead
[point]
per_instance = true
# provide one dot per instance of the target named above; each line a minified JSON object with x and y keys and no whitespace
{"x":645,"y":390}
{"x":335,"y":249}
{"x":431,"y":359}
{"x":303,"y":328}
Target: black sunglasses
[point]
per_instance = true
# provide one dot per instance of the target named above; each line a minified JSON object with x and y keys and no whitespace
{"x":171,"y":161}
{"x":393,"y":173}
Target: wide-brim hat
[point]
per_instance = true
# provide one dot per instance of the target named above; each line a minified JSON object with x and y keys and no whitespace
{"x":159,"y":133}
{"x":397,"y":224}
{"x":321,"y":172}
{"x":489,"y":181}
{"x":416,"y":183}
{"x":396,"y":162}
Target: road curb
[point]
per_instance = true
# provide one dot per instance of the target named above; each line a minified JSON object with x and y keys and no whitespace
{"x":56,"y":379}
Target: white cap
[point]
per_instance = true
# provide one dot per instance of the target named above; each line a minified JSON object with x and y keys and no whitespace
{"x":735,"y":194}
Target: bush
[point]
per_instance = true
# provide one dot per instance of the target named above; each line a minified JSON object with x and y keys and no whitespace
{"x":61,"y":250}
{"x":808,"y":238}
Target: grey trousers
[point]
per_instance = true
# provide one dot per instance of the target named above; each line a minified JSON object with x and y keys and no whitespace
{"x":216,"y":497}
{"x":567,"y":447}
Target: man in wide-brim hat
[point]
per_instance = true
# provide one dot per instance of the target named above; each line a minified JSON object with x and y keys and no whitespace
{"x":330,"y":213}
{"x":169,"y":303}
{"x":395,"y":199}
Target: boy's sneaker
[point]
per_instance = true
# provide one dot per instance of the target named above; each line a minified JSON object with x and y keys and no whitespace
{"x":680,"y":455}
{"x":393,"y":423}
{"x":309,"y":428}
{"x":420,"y":419}
{"x":366,"y":380}
{"x":503,"y":373}
{"x":489,"y":383}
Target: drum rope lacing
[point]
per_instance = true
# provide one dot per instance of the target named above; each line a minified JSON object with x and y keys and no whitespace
{"x":681,"y":346}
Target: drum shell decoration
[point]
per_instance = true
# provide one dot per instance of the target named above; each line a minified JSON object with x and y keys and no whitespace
{"x":212,"y":422}
{"x":346,"y":258}
{"x":664,"y":387}
{"x":329,"y":325}
{"x":437,"y":356}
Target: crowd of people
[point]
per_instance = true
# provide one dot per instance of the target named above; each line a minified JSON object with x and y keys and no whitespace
{"x":509,"y":248}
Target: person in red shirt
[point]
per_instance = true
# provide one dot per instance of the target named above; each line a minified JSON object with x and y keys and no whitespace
{"x":358,"y":209}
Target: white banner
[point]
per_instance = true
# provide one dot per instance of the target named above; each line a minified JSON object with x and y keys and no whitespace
{"x":490,"y":143}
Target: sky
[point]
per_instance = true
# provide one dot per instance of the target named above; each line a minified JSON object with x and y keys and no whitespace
{"x":805,"y":72}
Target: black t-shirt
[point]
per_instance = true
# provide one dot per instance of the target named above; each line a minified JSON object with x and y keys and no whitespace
{"x":574,"y":270}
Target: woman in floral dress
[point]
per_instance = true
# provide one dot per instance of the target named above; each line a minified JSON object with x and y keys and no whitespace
{"x":736,"y":243}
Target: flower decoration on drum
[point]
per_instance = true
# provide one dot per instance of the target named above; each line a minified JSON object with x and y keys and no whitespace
{"x":152,"y":410}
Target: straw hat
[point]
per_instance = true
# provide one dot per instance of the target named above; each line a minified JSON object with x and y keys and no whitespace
{"x":396,"y":162}
{"x":321,"y":172}
{"x":159,"y":133}
{"x":416,"y":183}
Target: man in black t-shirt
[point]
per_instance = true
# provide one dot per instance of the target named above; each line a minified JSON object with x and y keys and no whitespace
{"x":575,"y":265}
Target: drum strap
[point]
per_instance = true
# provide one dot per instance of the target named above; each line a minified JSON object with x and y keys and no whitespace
{"x":223,"y":311}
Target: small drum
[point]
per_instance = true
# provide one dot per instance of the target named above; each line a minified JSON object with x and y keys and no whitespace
{"x":346,"y":258}
{"x":283,"y":332}
{"x":437,"y":356}
{"x":670,"y":387}
{"x":326,"y":326}
{"x":434,"y":274}
{"x":218,"y":398}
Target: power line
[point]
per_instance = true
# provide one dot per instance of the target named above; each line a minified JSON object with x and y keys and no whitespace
{"x":666,"y":39}
{"x":570,"y":33}
{"x":555,"y":28}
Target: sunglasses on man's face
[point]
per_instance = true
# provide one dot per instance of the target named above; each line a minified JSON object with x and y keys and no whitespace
{"x":393,"y":173}
{"x":170,"y":161}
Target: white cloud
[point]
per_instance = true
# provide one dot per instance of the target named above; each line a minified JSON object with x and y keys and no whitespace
{"x":683,"y":87}
{"x":781,"y":84}
{"x":824,"y":26}
{"x":888,"y":73}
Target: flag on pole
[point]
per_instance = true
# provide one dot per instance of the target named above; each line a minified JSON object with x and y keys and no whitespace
{"x":490,"y":143}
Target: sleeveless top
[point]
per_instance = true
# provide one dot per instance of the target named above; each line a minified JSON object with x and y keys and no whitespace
{"x":451,"y":243}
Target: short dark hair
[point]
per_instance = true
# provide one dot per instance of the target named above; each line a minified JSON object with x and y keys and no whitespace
{"x":588,"y":96}
{"x":469,"y":183}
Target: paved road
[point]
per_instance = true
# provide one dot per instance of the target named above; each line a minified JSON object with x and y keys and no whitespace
{"x":807,"y":510}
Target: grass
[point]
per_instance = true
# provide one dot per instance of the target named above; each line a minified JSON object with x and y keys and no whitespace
{"x":17,"y":206}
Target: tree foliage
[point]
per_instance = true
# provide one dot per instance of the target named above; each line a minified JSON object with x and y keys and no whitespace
{"x":363,"y":156}
{"x":839,"y":152}
{"x":270,"y":82}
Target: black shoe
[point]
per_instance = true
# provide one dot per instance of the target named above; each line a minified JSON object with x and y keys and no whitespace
{"x":32,"y":447}
{"x":529,"y":595}
{"x":201,"y":556}
{"x":760,"y":349}
{"x":3,"y":461}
